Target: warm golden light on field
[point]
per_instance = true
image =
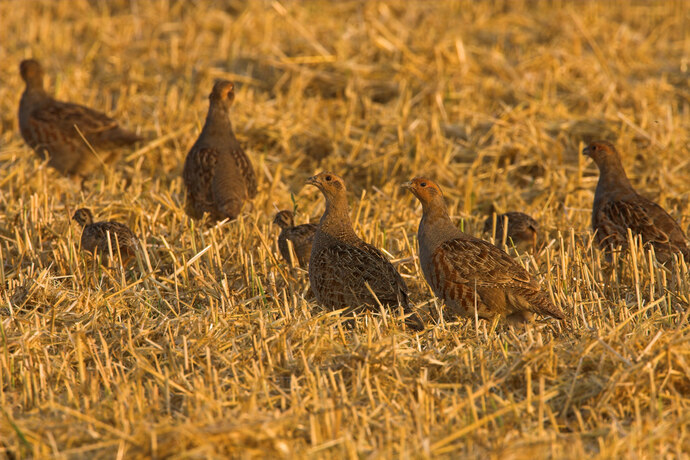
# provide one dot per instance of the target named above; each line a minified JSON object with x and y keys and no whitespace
{"x":207,"y":344}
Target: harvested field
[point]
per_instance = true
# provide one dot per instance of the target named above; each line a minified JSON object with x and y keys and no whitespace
{"x":210,"y":346}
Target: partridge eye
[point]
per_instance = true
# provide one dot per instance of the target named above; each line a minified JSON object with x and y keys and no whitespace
{"x":423,"y":184}
{"x":328,"y":178}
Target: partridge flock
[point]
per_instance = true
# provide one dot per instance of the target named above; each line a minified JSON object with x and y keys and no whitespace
{"x":474,"y":278}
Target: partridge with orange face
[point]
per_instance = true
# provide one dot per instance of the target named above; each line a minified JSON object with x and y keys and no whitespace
{"x":217,"y":173}
{"x":521,"y":229}
{"x":66,"y":132}
{"x":466,"y":272}
{"x":346,"y":272}
{"x":106,"y":236}
{"x":300,"y":236}
{"x":618,"y":207}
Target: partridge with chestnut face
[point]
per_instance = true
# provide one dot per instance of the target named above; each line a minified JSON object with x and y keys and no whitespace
{"x":465,"y":271}
{"x":217,"y":174}
{"x":66,"y":132}
{"x":521,"y":231}
{"x":301,"y":237}
{"x":102,"y":237}
{"x":346,"y":272}
{"x":618,"y":207}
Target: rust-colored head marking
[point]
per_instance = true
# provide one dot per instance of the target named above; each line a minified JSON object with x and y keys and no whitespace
{"x":424,"y":189}
{"x":223,"y":91}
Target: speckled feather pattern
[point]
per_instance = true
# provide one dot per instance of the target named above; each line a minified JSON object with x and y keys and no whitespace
{"x":346,"y":272}
{"x":95,"y":237}
{"x":617,"y":207}
{"x":218,"y":175}
{"x":340,"y":270}
{"x":52,"y":128}
{"x":301,"y":237}
{"x":522,"y":229}
{"x":102,"y":237}
{"x":468,"y":273}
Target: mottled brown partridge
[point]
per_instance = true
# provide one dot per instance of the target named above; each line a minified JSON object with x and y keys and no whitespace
{"x":521,"y":231}
{"x":346,"y":272}
{"x":52,"y":128}
{"x":94,"y":236}
{"x":617,"y":207}
{"x":465,"y":271}
{"x":301,"y":237}
{"x":217,"y":173}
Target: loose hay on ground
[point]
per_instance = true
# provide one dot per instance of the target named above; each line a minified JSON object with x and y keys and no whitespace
{"x":212,"y":347}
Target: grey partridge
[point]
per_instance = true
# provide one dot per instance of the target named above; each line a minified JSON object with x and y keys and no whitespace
{"x":54,"y":128}
{"x":521,"y":231}
{"x":94,"y":236}
{"x":618,"y":207}
{"x":466,"y":271}
{"x":301,"y":237}
{"x":346,"y":272}
{"x":217,"y":173}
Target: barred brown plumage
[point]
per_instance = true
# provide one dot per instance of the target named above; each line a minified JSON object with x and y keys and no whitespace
{"x":466,"y":271}
{"x":54,"y":128}
{"x":217,"y":174}
{"x":301,"y":237}
{"x":618,"y":207}
{"x":94,"y":236}
{"x":522,"y":229}
{"x":346,"y":272}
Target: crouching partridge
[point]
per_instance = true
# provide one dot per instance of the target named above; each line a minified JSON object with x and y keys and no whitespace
{"x":100,"y":238}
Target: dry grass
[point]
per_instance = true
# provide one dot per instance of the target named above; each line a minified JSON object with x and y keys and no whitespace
{"x":210,"y":347}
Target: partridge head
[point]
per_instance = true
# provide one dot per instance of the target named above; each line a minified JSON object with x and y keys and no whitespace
{"x":284,"y":219}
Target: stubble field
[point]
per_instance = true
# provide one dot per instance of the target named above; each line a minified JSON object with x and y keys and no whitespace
{"x":211,"y":346}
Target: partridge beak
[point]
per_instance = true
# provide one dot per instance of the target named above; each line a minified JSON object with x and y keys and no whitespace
{"x":312,"y":181}
{"x":407,"y":185}
{"x":587,"y":151}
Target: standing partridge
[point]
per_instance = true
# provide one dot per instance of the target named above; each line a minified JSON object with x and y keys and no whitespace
{"x":94,"y":236}
{"x":301,"y":237}
{"x":522,"y":229}
{"x":66,"y":132}
{"x":217,"y":173}
{"x":617,"y":207}
{"x":346,"y":272}
{"x":467,"y":272}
